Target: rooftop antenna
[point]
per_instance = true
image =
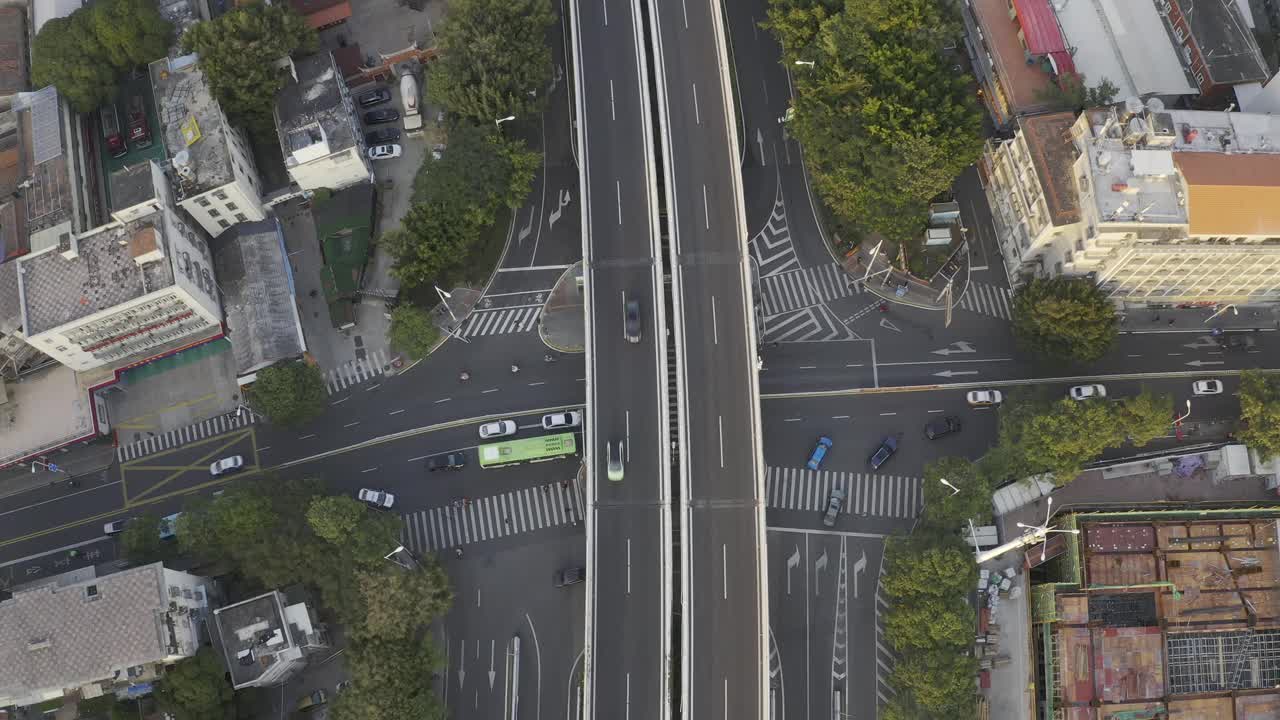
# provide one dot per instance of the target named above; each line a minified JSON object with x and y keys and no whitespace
{"x":1042,"y":531}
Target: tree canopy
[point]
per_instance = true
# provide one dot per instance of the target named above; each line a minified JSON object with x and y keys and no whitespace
{"x":1260,"y":412}
{"x":239,"y":56}
{"x":141,"y":541}
{"x":1064,"y":317}
{"x":289,"y":393}
{"x":412,"y":331}
{"x":1069,"y":92}
{"x":84,"y":54}
{"x":888,"y":125}
{"x":495,"y":61}
{"x":948,"y":510}
{"x":197,"y":688}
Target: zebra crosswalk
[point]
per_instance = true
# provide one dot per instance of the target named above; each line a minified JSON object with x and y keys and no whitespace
{"x":492,"y":517}
{"x":811,"y":324}
{"x":183,"y":435}
{"x":894,"y":496}
{"x":987,"y":300}
{"x":804,"y":288}
{"x":772,"y":247}
{"x":355,"y":371}
{"x":503,"y":321}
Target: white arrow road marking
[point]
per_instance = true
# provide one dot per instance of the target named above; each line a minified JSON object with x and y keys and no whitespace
{"x":792,"y":562}
{"x":760,"y":142}
{"x":491,"y":671}
{"x":1199,"y":363}
{"x":527,"y":229}
{"x":952,"y":373}
{"x":958,"y":347}
{"x":859,"y":566}
{"x":462,"y":674}
{"x":884,"y":323}
{"x":818,"y":566}
{"x":840,"y":634}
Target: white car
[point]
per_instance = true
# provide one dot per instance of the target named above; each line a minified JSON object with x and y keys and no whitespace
{"x":226,"y":465}
{"x":384,"y":152}
{"x":377,"y":498}
{"x":115,"y":527}
{"x":497,"y":428}
{"x":1206,"y":387}
{"x":556,"y":421}
{"x":1088,"y":392}
{"x":985,"y":398}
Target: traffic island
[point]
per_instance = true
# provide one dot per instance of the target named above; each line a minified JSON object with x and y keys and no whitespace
{"x":562,"y":324}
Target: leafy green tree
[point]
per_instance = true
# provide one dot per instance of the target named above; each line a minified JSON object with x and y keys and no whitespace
{"x":917,"y":567}
{"x":346,"y":524}
{"x":131,"y":32}
{"x":1146,"y":416}
{"x":239,"y":53}
{"x":930,"y":623}
{"x":432,"y":241}
{"x":1260,"y":412}
{"x":795,"y":23}
{"x":390,"y":680}
{"x":67,"y":54}
{"x":289,"y":393}
{"x":398,"y":603}
{"x":197,"y":688}
{"x":949,"y":510}
{"x":1070,"y":93}
{"x":1071,"y":434}
{"x":1064,"y":317}
{"x":941,"y":684}
{"x":482,"y":170}
{"x":141,"y":540}
{"x":412,"y":331}
{"x":494,"y":60}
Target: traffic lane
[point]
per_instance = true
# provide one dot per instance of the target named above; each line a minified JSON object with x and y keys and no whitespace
{"x":628,"y":585}
{"x":19,"y":571}
{"x":181,"y":468}
{"x":763,"y":99}
{"x":801,"y":619}
{"x":724,"y":653}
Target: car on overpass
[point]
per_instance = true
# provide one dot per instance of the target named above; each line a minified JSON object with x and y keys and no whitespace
{"x":887,"y":448}
{"x":614,"y":453}
{"x":631,"y":321}
{"x":819,"y":453}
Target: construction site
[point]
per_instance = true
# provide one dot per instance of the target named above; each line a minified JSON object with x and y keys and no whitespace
{"x":1159,"y":615}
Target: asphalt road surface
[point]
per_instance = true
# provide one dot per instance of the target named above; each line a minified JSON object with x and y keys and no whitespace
{"x":628,"y":600}
{"x":725,"y":648}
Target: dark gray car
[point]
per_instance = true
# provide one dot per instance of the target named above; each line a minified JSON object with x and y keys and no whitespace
{"x":631,"y":318}
{"x":447,"y":461}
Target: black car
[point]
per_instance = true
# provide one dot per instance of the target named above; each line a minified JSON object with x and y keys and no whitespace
{"x":1237,"y":342}
{"x":381,"y":115}
{"x":381,"y":136}
{"x":373,"y":97}
{"x":570,"y":576}
{"x":447,"y":461}
{"x":942,"y":426}
{"x":883,"y":453}
{"x":632,"y":321}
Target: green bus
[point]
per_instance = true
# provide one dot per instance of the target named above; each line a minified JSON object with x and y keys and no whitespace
{"x":537,"y":449}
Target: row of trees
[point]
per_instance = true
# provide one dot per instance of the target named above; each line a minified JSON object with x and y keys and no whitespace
{"x":275,"y":533}
{"x":1260,"y":412}
{"x":887,"y":122}
{"x":1064,"y":318}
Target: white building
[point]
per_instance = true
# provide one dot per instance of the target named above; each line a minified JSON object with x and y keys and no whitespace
{"x":91,"y":635}
{"x":124,"y":291}
{"x":265,"y":640}
{"x":213,"y":172}
{"x":319,"y":136}
{"x":1159,"y":207}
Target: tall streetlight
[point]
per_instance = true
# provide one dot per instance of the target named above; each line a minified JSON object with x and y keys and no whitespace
{"x":444,"y":298}
{"x":954,"y":490}
{"x":499,"y":121}
{"x":1042,"y":531}
{"x":1231,"y":307}
{"x":805,"y":62}
{"x":1184,"y":417}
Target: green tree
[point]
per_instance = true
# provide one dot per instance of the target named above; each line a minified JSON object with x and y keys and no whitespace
{"x":432,"y":242}
{"x":948,"y":510}
{"x":349,"y":526}
{"x":482,"y":170}
{"x":67,"y":54}
{"x":494,"y":53}
{"x":289,"y":393}
{"x":1070,"y":435}
{"x":917,"y":567}
{"x":1064,"y":317}
{"x":1069,"y":92}
{"x":131,"y":32}
{"x":239,"y":56}
{"x":1260,"y":412}
{"x":795,"y":23}
{"x":941,"y":684}
{"x":197,"y":688}
{"x":412,"y":331}
{"x":399,"y":603}
{"x":1146,"y":416}
{"x":930,"y":623}
{"x":390,"y":680}
{"x":141,"y":540}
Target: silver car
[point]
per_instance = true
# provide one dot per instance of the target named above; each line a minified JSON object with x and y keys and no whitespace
{"x":834,"y":504}
{"x":497,"y":428}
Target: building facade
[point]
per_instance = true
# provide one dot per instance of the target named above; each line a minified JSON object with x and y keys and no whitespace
{"x":320,"y":138}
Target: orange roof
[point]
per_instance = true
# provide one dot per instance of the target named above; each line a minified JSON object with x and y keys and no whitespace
{"x":323,"y":13}
{"x":1231,"y":195}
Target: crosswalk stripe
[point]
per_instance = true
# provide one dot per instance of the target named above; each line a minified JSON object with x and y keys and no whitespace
{"x":491,"y":517}
{"x":865,"y":493}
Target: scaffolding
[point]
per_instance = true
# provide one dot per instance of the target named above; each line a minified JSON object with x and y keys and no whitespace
{"x":1223,"y":661}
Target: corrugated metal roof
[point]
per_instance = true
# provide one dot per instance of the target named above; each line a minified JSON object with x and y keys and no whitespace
{"x":1041,"y":32}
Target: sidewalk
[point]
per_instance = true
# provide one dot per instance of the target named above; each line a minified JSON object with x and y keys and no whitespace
{"x":562,"y":325}
{"x":72,"y":462}
{"x":451,"y":313}
{"x":893,"y":285}
{"x":1197,"y":319}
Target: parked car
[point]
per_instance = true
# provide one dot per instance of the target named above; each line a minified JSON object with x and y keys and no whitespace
{"x":115,"y":527}
{"x":384,"y":152}
{"x":377,"y":498}
{"x":1206,"y":387}
{"x":381,"y":136}
{"x":381,"y":116}
{"x":887,"y":448}
{"x":313,"y":701}
{"x":631,"y":321}
{"x":1238,"y":342}
{"x":834,"y":503}
{"x":497,"y":428}
{"x":942,"y":426}
{"x":226,"y":465}
{"x":570,"y":576}
{"x":985,"y":398}
{"x":819,"y":453}
{"x":614,"y":453}
{"x":557,"y":421}
{"x":447,"y":461}
{"x":1092,"y":391}
{"x":377,"y":96}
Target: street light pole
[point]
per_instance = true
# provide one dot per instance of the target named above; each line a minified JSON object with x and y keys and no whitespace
{"x":1184,"y":417}
{"x":1229,"y":306}
{"x":499,"y":121}
{"x":444,"y":298}
{"x":51,"y":467}
{"x":805,"y":62}
{"x":954,"y":490}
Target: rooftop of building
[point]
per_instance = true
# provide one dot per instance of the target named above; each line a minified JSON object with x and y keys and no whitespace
{"x":104,"y":273}
{"x":1048,"y":139}
{"x":1126,"y":43}
{"x":251,"y":632}
{"x":48,"y":409}
{"x":182,"y":14}
{"x":192,"y":123}
{"x":131,"y":185}
{"x":311,"y":117}
{"x":42,"y":11}
{"x":1231,"y":195}
{"x":322,"y":13}
{"x":13,"y":211}
{"x":1132,"y":157}
{"x":13,"y":51}
{"x":1225,"y":40}
{"x":1022,"y":83}
{"x":60,"y":635}
{"x":258,"y":295}
{"x":48,"y":192}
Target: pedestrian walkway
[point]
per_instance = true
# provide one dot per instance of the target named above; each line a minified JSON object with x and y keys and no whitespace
{"x":502,"y":322}
{"x":493,"y":517}
{"x":985,"y":299}
{"x":183,"y":435}
{"x":804,"y":288}
{"x":354,"y":372}
{"x":811,"y":324}
{"x":894,"y":496}
{"x":772,"y":247}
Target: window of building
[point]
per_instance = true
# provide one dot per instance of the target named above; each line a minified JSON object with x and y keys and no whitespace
{"x":224,"y":224}
{"x":240,"y":217}
{"x":232,"y":206}
{"x":202,"y":201}
{"x":213,"y":212}
{"x":220,"y":194}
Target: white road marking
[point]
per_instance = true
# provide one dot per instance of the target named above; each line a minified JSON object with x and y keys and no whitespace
{"x":935,"y":411}
{"x":443,"y":400}
{"x":720,"y":425}
{"x":628,"y":566}
{"x":353,"y":424}
{"x":604,"y":4}
{"x":335,"y":402}
{"x":368,"y":470}
{"x":617,"y":186}
{"x":793,"y":420}
{"x":697,"y":115}
{"x":888,"y":413}
{"x":613,"y":110}
{"x":839,"y":417}
{"x":724,"y":577}
{"x":706,"y":209}
{"x":715,"y":325}
{"x":395,"y":412}
{"x":684,"y":9}
{"x":374,"y":386}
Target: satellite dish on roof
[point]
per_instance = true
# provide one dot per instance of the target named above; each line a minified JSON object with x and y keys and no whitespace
{"x":1155,"y":105}
{"x":182,"y":164}
{"x":1133,"y":105}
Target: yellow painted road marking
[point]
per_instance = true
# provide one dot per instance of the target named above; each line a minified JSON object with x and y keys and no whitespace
{"x":202,"y":462}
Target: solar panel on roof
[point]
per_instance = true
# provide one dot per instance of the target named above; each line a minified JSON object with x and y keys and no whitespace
{"x":47,"y":141}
